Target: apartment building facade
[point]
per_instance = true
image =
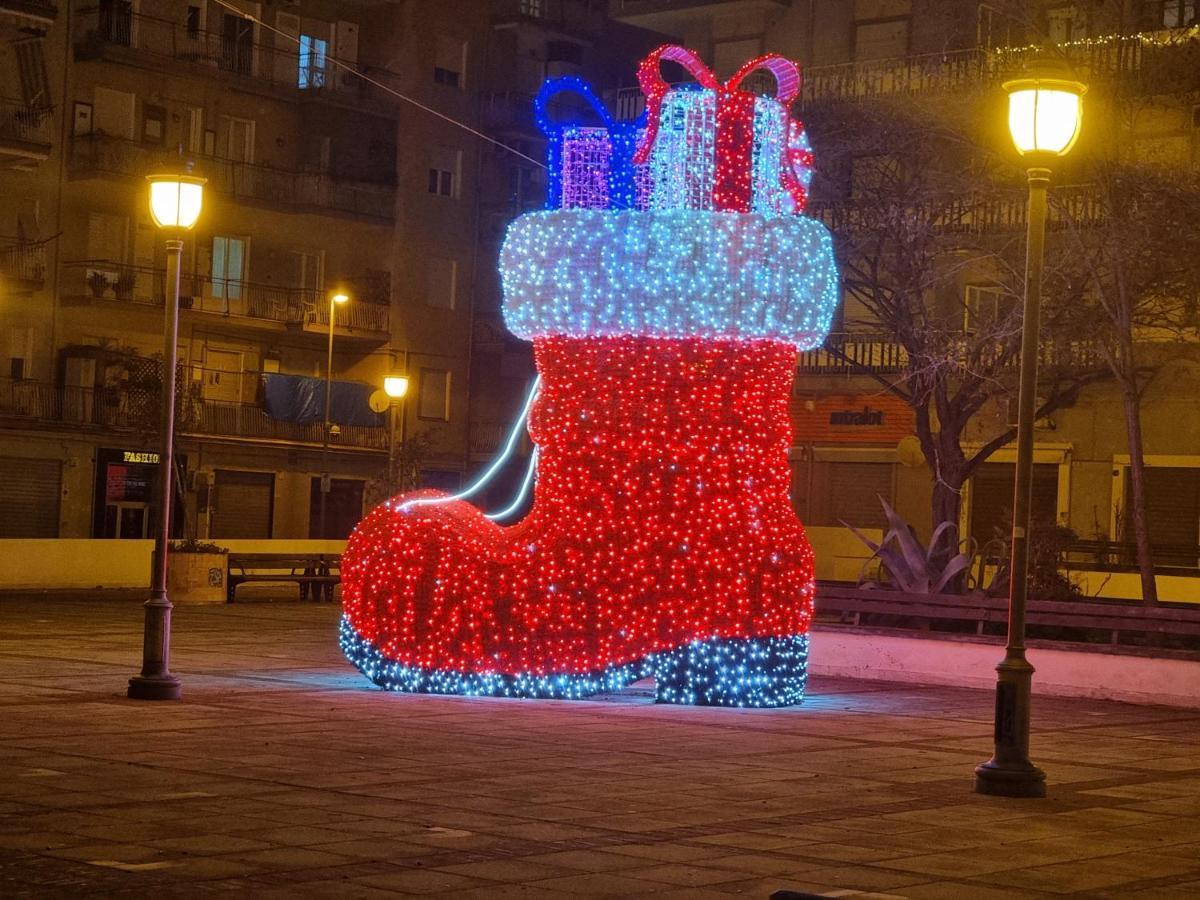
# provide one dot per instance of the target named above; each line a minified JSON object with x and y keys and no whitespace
{"x":318,"y":182}
{"x":854,"y":438}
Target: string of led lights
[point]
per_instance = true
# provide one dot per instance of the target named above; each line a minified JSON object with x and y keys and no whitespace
{"x":665,"y":289}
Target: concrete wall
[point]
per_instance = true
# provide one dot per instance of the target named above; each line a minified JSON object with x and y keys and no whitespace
{"x":970,"y":663}
{"x":49,"y":565}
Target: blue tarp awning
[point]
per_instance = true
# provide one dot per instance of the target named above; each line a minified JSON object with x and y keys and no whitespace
{"x":299,"y":398}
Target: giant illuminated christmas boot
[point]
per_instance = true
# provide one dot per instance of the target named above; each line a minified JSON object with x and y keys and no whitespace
{"x":661,"y":541}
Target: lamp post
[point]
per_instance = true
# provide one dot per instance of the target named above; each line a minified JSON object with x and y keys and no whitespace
{"x":175,"y":202}
{"x":335,"y":300}
{"x":396,"y":387}
{"x":1043,"y":118}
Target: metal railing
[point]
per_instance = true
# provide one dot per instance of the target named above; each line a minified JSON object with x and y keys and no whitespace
{"x":121,"y":407}
{"x":23,"y":260}
{"x":1145,"y":61}
{"x":109,"y":280}
{"x":1080,"y":205}
{"x":41,"y":10}
{"x":247,"y":420}
{"x":484,"y":438}
{"x":25,"y":124}
{"x":264,"y":184}
{"x":849,"y":353}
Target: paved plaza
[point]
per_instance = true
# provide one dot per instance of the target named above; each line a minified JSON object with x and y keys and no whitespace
{"x":284,"y":773}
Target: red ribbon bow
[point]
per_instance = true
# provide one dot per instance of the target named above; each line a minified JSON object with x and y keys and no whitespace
{"x":735,"y":119}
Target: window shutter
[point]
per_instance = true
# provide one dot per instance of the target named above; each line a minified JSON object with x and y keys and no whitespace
{"x":31,"y":64}
{"x":29,"y":497}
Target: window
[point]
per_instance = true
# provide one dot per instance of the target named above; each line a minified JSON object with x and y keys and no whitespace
{"x":1064,"y":24}
{"x":312,"y":62}
{"x":444,"y":171}
{"x":228,"y":266}
{"x":31,"y":65}
{"x":154,"y":124}
{"x":433,"y":395}
{"x":565,"y":51}
{"x":237,"y":44}
{"x":884,"y":39}
{"x":1172,"y":513}
{"x":308,"y":270}
{"x":1178,"y":13}
{"x":992,"y":499}
{"x":987,"y":308}
{"x":195,"y":130}
{"x":193,"y":22}
{"x":238,"y":142}
{"x":113,"y":113}
{"x":107,"y":237}
{"x":449,"y":61}
{"x":442,"y":282}
{"x":534,"y":8}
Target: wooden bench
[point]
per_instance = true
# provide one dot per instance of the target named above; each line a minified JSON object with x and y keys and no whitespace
{"x":315,"y":573}
{"x":1104,"y":619}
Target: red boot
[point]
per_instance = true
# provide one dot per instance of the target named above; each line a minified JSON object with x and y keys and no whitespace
{"x":662,"y":541}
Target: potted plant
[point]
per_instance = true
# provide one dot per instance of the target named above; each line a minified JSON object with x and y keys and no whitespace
{"x":98,"y":282}
{"x":198,"y":572}
{"x":124,"y":284}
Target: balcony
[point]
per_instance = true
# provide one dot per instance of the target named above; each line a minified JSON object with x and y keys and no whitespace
{"x":661,"y":14}
{"x":26,"y":134}
{"x":1166,"y":60}
{"x":242,"y":60}
{"x":1079,"y":205}
{"x":570,"y":17}
{"x":23,"y":262}
{"x":509,"y":111}
{"x":878,"y":353}
{"x":279,"y":188}
{"x":25,"y":403}
{"x":253,"y":305}
{"x":484,"y":438}
{"x":39,"y":14}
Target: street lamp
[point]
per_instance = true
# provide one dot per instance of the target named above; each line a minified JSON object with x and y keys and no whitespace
{"x":335,"y":300}
{"x":1043,"y":117}
{"x":175,"y":203}
{"x":396,"y":387}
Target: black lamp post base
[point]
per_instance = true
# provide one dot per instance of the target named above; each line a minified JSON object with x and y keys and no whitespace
{"x":1010,"y":780}
{"x":155,"y":687}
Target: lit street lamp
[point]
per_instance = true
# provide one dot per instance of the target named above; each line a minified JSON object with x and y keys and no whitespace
{"x":396,"y":387}
{"x":1043,"y":118}
{"x":175,"y":202}
{"x":335,"y":300}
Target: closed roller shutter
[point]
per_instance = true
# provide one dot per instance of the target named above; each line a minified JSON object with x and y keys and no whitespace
{"x":243,"y":504}
{"x":29,"y":496}
{"x":1172,"y":512}
{"x":849,"y":492}
{"x":992,"y":499}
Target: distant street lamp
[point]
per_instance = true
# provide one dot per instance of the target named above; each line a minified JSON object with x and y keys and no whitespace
{"x":1043,"y":117}
{"x":335,"y":300}
{"x":175,"y":203}
{"x":396,"y":387}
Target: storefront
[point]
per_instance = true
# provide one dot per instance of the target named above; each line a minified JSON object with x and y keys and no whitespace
{"x":126,"y":485}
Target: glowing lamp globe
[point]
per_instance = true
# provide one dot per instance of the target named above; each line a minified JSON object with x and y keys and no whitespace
{"x":1044,"y":114}
{"x":395,"y":386}
{"x":175,"y":200}
{"x":340,"y":298}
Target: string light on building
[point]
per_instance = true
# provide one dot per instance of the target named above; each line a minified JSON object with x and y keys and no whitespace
{"x":662,"y":540}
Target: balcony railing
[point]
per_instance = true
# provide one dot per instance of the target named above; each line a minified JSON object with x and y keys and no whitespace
{"x":43,"y":12}
{"x":850,"y":353}
{"x":27,"y":401}
{"x":484,"y":438}
{"x":262,"y":184}
{"x":575,"y":16}
{"x":1148,"y":59}
{"x":27,"y":130}
{"x":1079,"y":205}
{"x":23,"y":261}
{"x":108,"y":280}
{"x":245,"y":420}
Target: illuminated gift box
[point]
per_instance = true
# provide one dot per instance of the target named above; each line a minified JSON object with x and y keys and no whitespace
{"x":590,"y":166}
{"x":715,"y":146}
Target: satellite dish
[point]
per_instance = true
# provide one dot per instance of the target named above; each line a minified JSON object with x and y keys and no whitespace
{"x":379,"y":401}
{"x":909,"y":452}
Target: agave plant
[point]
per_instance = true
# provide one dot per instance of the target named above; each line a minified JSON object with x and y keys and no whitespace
{"x":911,"y":566}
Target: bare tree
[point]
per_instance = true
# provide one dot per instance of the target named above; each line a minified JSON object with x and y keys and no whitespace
{"x":925,"y":216}
{"x":1134,"y":267}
